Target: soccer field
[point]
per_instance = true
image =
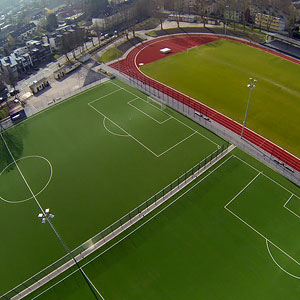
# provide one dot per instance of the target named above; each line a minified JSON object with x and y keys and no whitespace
{"x":231,"y":234}
{"x":91,"y":159}
{"x":217,"y":74}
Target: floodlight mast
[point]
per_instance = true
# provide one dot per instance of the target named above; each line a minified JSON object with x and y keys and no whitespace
{"x":45,"y":216}
{"x":251,"y":85}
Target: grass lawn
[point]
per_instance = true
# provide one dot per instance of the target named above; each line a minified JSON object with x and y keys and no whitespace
{"x":217,"y":74}
{"x":91,"y":159}
{"x":220,"y":238}
{"x":3,"y":112}
{"x":110,"y":54}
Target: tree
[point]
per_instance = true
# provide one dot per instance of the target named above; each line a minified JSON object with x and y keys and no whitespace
{"x":202,"y":10}
{"x":293,"y":15}
{"x":178,"y":10}
{"x":51,"y":23}
{"x":94,"y":7}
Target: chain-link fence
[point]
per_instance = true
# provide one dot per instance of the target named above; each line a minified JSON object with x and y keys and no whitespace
{"x":252,"y":143}
{"x":116,"y":228}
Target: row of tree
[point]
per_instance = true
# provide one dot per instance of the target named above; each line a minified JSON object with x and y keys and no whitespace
{"x":247,"y":8}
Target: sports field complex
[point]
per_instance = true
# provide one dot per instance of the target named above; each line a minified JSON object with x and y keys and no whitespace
{"x":193,"y":216}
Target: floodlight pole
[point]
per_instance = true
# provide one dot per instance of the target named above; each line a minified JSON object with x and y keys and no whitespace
{"x":45,"y":215}
{"x":251,"y":86}
{"x":226,"y":7}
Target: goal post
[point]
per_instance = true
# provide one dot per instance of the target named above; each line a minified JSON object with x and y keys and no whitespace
{"x":161,"y":105}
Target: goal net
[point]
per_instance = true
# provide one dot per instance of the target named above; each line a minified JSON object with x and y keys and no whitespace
{"x":157,"y":103}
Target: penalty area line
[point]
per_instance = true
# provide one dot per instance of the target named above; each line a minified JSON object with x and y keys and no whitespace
{"x":222,"y":155}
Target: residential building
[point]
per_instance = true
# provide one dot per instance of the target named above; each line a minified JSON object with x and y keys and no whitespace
{"x":37,"y":86}
{"x":113,"y":17}
{"x":233,"y":15}
{"x":23,"y":33}
{"x":270,"y":23}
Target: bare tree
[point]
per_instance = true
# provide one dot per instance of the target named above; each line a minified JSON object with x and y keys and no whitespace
{"x":201,"y":6}
{"x":178,"y":10}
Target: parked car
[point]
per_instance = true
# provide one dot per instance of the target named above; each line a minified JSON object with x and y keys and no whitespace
{"x":13,"y":92}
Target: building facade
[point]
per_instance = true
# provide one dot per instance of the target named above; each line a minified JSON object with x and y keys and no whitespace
{"x":269,"y":23}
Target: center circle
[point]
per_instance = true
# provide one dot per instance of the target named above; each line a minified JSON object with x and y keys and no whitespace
{"x":23,"y":177}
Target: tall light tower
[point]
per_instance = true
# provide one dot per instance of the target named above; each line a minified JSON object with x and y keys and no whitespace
{"x":45,"y":216}
{"x":225,"y":19}
{"x":251,"y":85}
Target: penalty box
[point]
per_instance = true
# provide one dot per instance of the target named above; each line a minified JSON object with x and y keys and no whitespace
{"x":157,"y":130}
{"x":270,"y":210}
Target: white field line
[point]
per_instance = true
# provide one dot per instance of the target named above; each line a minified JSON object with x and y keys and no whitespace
{"x":159,"y":109}
{"x":242,"y":190}
{"x":243,"y":221}
{"x":222,"y":36}
{"x":288,"y":201}
{"x":285,"y":206}
{"x":43,"y":188}
{"x":260,"y":234}
{"x":60,"y":102}
{"x":142,"y":214}
{"x":267,"y":243}
{"x":138,"y":141}
{"x":218,"y":146}
{"x":40,"y":208}
{"x":274,"y":181}
{"x":129,"y":103}
{"x":113,"y":133}
{"x":99,"y":112}
{"x":177,"y":144}
{"x":106,"y":95}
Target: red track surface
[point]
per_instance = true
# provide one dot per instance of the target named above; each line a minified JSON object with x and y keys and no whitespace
{"x":149,"y":52}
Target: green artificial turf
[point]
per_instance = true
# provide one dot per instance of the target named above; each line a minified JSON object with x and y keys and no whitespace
{"x":197,"y":249}
{"x":217,"y":74}
{"x":97,"y":172}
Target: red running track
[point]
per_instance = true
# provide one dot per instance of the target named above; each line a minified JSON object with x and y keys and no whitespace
{"x":149,"y":52}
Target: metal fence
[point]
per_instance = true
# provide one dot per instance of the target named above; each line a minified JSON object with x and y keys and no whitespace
{"x":275,"y":157}
{"x":113,"y":230}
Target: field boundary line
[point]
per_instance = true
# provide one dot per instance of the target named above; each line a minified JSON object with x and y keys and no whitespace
{"x":134,"y":138}
{"x":172,"y":147}
{"x":18,"y":296}
{"x":242,"y":190}
{"x":274,"y":181}
{"x":286,"y":203}
{"x":277,"y":264}
{"x":251,"y":227}
{"x":104,"y":116}
{"x":58,"y":103}
{"x":260,"y":234}
{"x":152,"y":118}
{"x":143,"y":213}
{"x":97,"y":99}
{"x":218,"y":146}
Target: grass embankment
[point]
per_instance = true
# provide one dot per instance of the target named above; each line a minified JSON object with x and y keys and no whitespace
{"x":109,"y":55}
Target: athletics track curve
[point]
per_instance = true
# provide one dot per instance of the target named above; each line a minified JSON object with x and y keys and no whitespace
{"x":149,"y":51}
